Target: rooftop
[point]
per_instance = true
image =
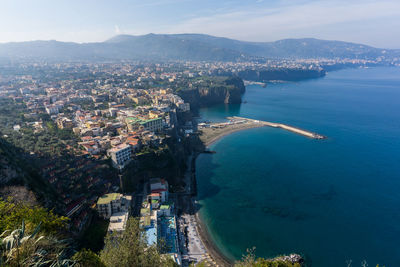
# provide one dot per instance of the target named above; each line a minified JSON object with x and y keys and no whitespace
{"x":107,"y":198}
{"x":118,"y":221}
{"x":119,"y":147}
{"x":144,"y":211}
{"x":146,"y":121}
{"x":151,"y":236}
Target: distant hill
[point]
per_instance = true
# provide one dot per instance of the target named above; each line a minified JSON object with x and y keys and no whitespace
{"x":195,"y":47}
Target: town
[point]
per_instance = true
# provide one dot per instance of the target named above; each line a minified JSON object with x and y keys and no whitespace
{"x":115,"y":140}
{"x":106,"y":119}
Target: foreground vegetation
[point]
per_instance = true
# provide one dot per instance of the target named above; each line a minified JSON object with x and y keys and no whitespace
{"x":13,"y":213}
{"x":250,"y":260}
{"x":33,"y":236}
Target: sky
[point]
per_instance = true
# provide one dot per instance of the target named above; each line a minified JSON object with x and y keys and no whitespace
{"x":371,"y":22}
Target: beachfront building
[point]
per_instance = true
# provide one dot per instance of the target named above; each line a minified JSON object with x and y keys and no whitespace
{"x":120,"y":155}
{"x":109,"y":204}
{"x":158,"y":220}
{"x":148,"y":221}
{"x":167,"y":231}
{"x":155,"y":200}
{"x":165,"y":210}
{"x":159,"y":186}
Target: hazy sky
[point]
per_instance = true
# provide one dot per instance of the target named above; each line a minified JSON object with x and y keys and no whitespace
{"x":373,"y":22}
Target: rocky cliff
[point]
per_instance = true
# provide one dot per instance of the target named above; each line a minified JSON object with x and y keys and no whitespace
{"x":229,"y":91}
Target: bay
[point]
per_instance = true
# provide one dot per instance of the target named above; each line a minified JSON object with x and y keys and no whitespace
{"x":332,"y":200}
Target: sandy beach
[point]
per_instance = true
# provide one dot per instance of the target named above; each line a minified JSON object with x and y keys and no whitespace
{"x":212,"y":249}
{"x":211,"y":135}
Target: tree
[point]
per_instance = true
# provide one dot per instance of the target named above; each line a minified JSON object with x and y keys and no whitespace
{"x":249,"y":260}
{"x":12,"y":214}
{"x":129,"y":249}
{"x":87,"y":257}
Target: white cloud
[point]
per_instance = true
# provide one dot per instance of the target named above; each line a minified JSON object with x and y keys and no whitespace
{"x":300,"y":20}
{"x":117,"y":30}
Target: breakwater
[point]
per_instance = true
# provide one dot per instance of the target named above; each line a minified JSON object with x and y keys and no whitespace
{"x":282,"y":126}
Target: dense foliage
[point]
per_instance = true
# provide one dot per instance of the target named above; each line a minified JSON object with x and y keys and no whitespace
{"x":130,"y":249}
{"x":21,"y":247}
{"x":12,"y":214}
{"x":250,"y":260}
{"x":86,"y":257}
{"x":49,"y":141}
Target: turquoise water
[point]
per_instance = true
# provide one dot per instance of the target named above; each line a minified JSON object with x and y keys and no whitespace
{"x":332,"y":200}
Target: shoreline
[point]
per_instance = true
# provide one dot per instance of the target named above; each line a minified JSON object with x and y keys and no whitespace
{"x":211,"y":136}
{"x":209,"y":244}
{"x":212,"y":249}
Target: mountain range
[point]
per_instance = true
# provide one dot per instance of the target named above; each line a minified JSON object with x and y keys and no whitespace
{"x":191,"y":47}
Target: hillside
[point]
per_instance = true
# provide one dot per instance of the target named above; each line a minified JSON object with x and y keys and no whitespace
{"x":15,"y":170}
{"x":191,"y":47}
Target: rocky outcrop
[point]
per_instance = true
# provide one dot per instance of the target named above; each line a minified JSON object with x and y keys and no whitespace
{"x":292,"y":259}
{"x":229,"y":92}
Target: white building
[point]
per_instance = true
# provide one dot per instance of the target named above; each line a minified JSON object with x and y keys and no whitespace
{"x":120,"y":155}
{"x":112,"y":203}
{"x":52,"y":109}
{"x":118,"y":221}
{"x":160,"y":186}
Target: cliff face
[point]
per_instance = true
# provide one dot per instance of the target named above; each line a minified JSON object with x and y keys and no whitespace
{"x":229,"y":92}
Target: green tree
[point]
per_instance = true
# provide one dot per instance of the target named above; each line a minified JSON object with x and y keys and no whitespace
{"x":249,"y":260}
{"x":129,"y":249}
{"x":86,"y":258}
{"x":12,"y":214}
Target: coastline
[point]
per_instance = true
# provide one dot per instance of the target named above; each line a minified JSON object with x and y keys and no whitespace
{"x":212,"y":249}
{"x":208,"y":137}
{"x":217,"y":257}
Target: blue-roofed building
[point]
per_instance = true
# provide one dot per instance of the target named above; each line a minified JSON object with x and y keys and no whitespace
{"x":151,"y":235}
{"x":166,"y":231}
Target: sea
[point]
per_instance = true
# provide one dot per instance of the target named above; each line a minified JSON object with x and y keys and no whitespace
{"x":334,"y":201}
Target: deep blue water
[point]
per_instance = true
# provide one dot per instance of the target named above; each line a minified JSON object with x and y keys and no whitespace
{"x":331,"y":200}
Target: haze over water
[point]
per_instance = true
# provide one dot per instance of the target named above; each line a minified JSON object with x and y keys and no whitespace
{"x":331,"y":200}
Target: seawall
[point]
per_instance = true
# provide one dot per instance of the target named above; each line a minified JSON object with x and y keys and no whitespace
{"x":283,"y":126}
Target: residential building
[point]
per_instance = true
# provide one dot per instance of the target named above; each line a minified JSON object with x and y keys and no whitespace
{"x":120,"y":155}
{"x":52,"y":109}
{"x":109,"y":204}
{"x":64,"y":123}
{"x":159,"y":186}
{"x":118,"y":221}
